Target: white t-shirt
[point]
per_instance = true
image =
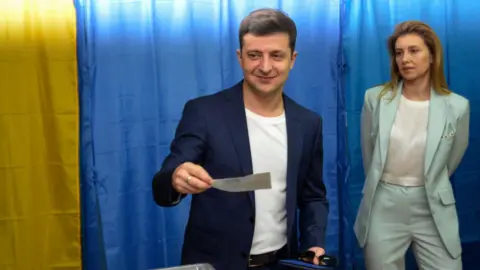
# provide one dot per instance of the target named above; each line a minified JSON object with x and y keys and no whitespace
{"x":268,"y":146}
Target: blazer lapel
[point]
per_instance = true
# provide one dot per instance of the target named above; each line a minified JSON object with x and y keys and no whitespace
{"x":237,"y":123}
{"x":387,"y":113}
{"x":436,"y":124}
{"x":294,"y":154}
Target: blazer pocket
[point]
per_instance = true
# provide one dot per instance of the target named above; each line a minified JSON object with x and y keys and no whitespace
{"x":449,"y":132}
{"x":205,"y":242}
{"x":447,"y":197}
{"x":449,"y":135}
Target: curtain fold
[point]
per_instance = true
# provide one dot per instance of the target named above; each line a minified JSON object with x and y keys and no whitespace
{"x":39,"y":177}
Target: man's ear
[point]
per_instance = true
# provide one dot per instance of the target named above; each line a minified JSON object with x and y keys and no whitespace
{"x":239,"y":55}
{"x":294,"y":57}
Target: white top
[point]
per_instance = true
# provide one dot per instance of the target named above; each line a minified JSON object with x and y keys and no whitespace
{"x":406,"y":153}
{"x":268,"y":146}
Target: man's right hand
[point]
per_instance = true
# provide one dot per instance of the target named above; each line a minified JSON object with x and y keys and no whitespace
{"x":189,"y":178}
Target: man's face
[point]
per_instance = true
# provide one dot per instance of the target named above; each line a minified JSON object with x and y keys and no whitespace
{"x":266,"y":62}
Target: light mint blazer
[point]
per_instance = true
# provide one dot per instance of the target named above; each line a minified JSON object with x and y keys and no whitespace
{"x":447,"y":140}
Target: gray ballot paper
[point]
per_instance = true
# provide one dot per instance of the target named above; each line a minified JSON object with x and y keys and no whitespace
{"x":245,"y":183}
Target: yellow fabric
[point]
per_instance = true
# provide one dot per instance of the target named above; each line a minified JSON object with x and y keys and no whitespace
{"x":39,"y":178}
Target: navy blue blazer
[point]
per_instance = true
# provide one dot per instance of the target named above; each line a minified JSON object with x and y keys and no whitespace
{"x":213,"y":133}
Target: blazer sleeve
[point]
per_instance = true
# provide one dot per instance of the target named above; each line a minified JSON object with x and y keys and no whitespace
{"x":460,"y":141}
{"x":365,"y":133}
{"x":313,"y":203}
{"x":188,"y":145}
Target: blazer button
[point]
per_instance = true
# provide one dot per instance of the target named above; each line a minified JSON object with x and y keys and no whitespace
{"x":244,"y":255}
{"x":252,"y":219}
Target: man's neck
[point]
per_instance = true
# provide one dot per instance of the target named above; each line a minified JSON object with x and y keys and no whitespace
{"x":264,"y":105}
{"x":417,"y":89}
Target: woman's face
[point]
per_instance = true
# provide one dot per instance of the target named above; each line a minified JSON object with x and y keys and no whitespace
{"x":413,"y":57}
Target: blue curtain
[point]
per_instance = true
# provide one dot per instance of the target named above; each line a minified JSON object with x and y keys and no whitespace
{"x":139,"y":62}
{"x":367,"y":25}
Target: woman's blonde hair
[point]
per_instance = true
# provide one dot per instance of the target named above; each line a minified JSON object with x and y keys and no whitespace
{"x":437,"y":77}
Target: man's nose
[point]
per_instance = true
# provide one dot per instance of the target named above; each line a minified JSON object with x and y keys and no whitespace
{"x":266,"y":65}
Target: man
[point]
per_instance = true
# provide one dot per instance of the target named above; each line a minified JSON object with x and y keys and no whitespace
{"x":250,"y":128}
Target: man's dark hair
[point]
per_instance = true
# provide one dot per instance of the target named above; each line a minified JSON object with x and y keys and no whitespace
{"x":267,"y":21}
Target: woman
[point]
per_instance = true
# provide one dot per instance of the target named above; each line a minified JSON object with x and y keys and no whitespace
{"x":414,"y":134}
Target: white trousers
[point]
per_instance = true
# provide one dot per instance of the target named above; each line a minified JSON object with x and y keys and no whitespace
{"x":401,"y":218}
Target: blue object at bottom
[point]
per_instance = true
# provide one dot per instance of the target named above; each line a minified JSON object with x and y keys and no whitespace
{"x":298,"y":264}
